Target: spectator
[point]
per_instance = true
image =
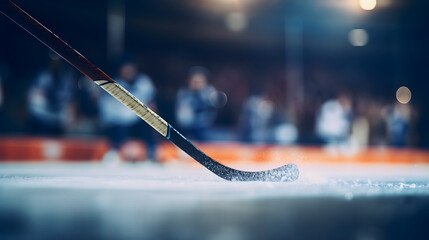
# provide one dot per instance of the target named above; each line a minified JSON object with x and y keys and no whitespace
{"x":262,"y":122}
{"x":398,"y":124}
{"x":1,"y":102}
{"x":195,"y":112}
{"x":50,"y":98}
{"x":377,"y":115}
{"x":118,"y":121}
{"x":1,"y":92}
{"x":333,"y":124}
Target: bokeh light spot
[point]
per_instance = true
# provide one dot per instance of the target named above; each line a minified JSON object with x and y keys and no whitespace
{"x":367,"y":4}
{"x":236,"y":21}
{"x":218,"y":99}
{"x":358,"y":37}
{"x":403,"y":95}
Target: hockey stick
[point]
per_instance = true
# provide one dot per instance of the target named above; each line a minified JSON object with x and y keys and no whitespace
{"x":285,"y":173}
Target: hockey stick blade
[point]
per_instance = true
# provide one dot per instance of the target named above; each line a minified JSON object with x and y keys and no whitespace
{"x":285,"y":173}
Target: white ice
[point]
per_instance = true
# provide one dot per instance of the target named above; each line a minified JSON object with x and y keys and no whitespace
{"x":316,"y":180}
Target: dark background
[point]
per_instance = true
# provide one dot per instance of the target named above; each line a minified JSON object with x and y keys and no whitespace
{"x":168,"y":37}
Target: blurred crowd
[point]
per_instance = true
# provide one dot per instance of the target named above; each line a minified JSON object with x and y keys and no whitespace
{"x":209,"y":106}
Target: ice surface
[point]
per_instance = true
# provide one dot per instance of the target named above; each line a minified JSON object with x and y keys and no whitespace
{"x":185,"y":201}
{"x":315,"y":180}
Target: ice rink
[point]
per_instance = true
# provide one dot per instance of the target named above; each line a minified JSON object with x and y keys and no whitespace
{"x":185,"y":201}
{"x":93,"y":93}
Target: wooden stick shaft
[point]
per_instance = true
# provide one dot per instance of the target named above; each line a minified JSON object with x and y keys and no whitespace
{"x":139,"y":108}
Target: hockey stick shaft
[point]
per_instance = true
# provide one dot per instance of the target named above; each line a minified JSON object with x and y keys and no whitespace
{"x":16,"y":14}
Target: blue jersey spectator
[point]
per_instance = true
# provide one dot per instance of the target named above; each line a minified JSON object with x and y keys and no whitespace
{"x":334,"y":120}
{"x":195,"y":112}
{"x":1,"y":103}
{"x":398,"y":124}
{"x":50,"y":98}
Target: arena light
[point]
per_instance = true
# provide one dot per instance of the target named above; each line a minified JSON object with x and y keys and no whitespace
{"x":223,"y":7}
{"x":358,"y":37}
{"x":367,"y":4}
{"x":236,"y":21}
{"x":403,"y":95}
